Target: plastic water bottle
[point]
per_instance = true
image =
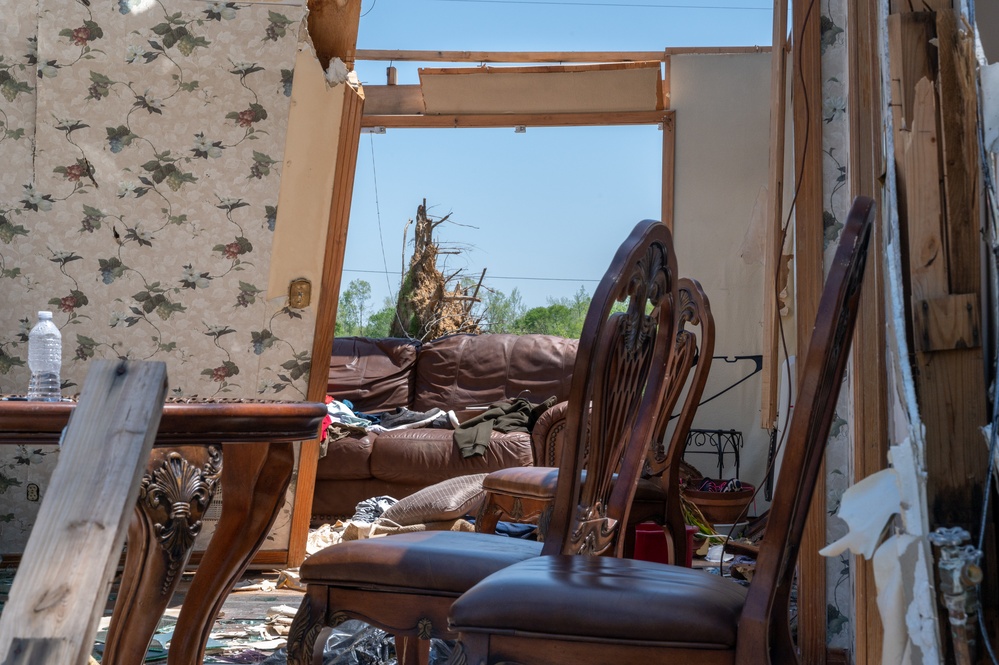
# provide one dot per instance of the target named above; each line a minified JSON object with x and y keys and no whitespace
{"x":44,"y":360}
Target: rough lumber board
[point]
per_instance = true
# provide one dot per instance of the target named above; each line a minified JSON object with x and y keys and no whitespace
{"x":806,"y":96}
{"x":514,"y":119}
{"x":958,"y":128}
{"x":393,"y":100}
{"x":774,"y":240}
{"x":910,"y":59}
{"x":928,"y":260}
{"x":62,"y":585}
{"x":35,"y":651}
{"x":952,"y":405}
{"x":549,"y":56}
{"x":946,"y":322}
{"x":322,"y":341}
{"x":869,"y":368}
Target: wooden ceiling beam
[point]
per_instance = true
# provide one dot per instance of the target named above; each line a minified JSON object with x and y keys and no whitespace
{"x":549,"y":56}
{"x":515,"y":119}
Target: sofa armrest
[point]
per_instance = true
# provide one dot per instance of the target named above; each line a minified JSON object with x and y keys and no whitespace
{"x":548,"y":435}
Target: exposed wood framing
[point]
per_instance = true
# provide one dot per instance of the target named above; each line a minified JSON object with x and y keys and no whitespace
{"x":669,"y":153}
{"x":514,"y":119}
{"x":333,"y":28}
{"x":541,"y":69}
{"x":808,"y":234}
{"x":869,"y":369}
{"x":393,"y":100}
{"x":935,"y":97}
{"x":949,"y":383}
{"x":548,"y":56}
{"x":774,"y":240}
{"x":329,"y":293}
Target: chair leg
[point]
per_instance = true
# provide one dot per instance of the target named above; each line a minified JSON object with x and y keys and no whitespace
{"x":309,"y":622}
{"x":471,"y":649}
{"x":410,"y":650}
{"x":488,"y":516}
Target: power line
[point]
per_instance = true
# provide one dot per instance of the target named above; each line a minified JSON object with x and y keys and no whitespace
{"x":606,"y":4}
{"x":533,"y":279}
{"x":378,"y":214}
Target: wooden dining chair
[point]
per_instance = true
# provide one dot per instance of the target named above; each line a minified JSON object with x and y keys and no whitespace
{"x":527,"y":494}
{"x":583,"y":609}
{"x":405,"y":583}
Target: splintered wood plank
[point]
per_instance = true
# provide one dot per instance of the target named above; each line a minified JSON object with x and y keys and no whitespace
{"x":60,"y":589}
{"x":958,"y":128}
{"x":928,"y":262}
{"x":909,"y":61}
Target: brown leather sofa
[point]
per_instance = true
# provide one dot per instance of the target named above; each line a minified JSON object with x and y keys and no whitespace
{"x":458,"y":373}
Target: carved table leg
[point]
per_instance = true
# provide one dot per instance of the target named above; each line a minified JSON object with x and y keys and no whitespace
{"x":255,"y":478}
{"x":176,"y":490}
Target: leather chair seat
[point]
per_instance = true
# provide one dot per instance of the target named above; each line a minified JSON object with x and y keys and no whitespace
{"x":589,"y":598}
{"x":448,"y":562}
{"x":530,"y":481}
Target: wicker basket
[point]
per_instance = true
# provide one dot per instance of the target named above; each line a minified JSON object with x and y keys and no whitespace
{"x":720,"y":507}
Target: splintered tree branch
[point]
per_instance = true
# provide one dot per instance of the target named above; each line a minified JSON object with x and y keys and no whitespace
{"x":430,"y":304}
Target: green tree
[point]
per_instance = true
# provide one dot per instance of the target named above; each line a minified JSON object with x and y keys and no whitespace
{"x":562,"y":316}
{"x":380,"y":323}
{"x":350,"y":318}
{"x":555,"y":319}
{"x":500,"y":312}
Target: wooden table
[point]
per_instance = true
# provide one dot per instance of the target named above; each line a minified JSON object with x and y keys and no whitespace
{"x":256,"y":439}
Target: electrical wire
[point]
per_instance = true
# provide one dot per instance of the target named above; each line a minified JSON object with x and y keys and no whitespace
{"x":572,"y":3}
{"x":381,"y":238}
{"x":534,"y":279}
{"x":378,"y":216}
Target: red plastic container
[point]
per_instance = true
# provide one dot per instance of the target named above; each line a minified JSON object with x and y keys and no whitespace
{"x":651,"y":545}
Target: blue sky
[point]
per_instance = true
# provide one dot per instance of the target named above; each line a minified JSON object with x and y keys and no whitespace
{"x":541,"y":211}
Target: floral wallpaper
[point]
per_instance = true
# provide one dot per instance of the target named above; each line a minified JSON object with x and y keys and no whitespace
{"x":837,"y":196}
{"x":143,"y":142}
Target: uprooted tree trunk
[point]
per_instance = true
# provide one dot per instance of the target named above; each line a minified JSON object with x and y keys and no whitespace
{"x":428,"y":307}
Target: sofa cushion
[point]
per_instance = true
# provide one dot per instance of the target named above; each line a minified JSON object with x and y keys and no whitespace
{"x":460,"y":371}
{"x":348,"y":458}
{"x":372,"y":374}
{"x":446,"y":500}
{"x":428,"y":456}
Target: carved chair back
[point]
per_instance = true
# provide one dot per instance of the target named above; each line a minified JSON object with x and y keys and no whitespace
{"x":619,"y":382}
{"x":663,"y":458}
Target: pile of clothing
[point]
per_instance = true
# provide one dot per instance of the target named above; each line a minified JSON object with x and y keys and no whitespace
{"x":471,"y":436}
